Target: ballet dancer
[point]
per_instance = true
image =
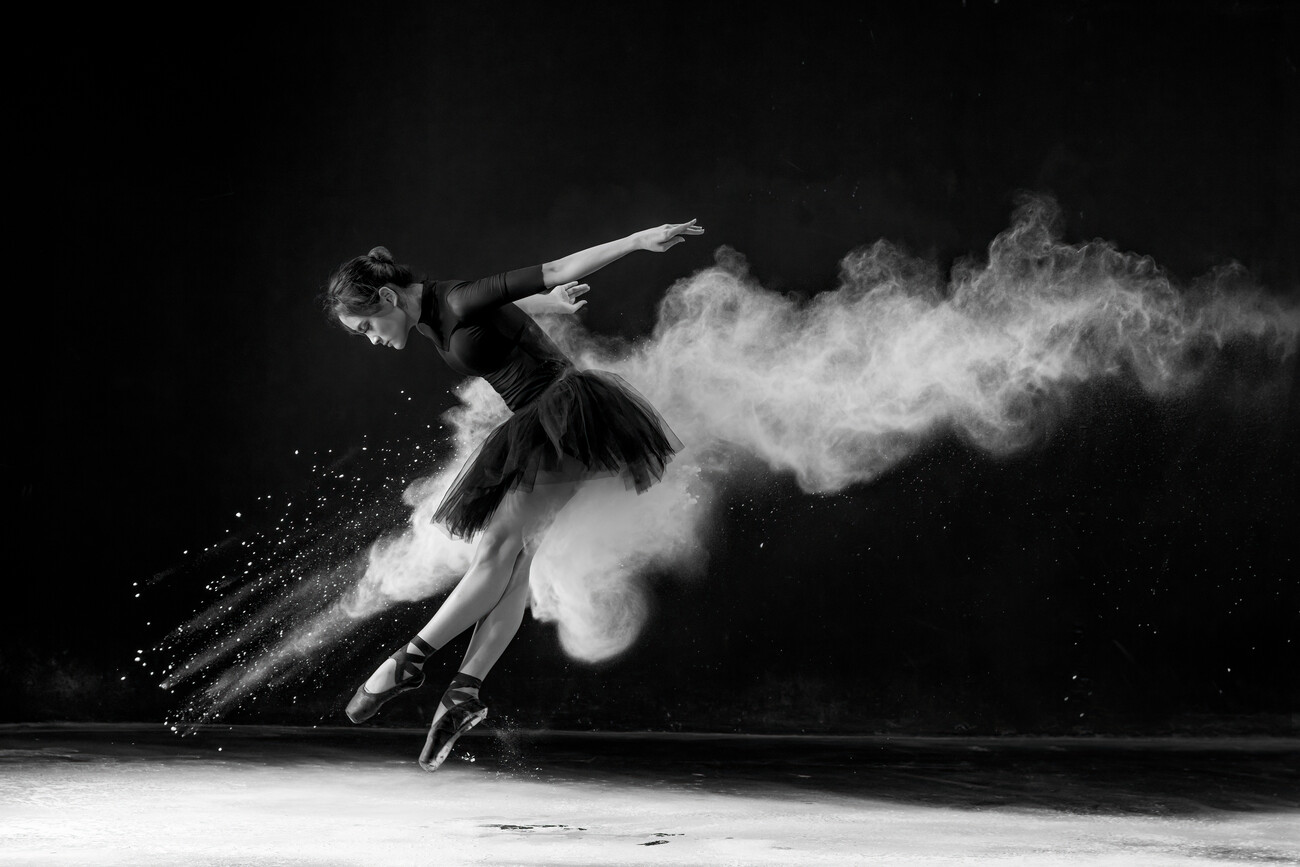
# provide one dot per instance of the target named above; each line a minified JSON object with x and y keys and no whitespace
{"x":566,"y":426}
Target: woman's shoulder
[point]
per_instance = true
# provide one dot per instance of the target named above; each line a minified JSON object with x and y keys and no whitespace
{"x":469,"y":300}
{"x":444,"y":297}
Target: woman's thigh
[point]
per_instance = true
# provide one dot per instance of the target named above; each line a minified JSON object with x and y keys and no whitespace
{"x":527,"y":514}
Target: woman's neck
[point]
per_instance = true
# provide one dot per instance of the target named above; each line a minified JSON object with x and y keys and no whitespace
{"x":413,"y":303}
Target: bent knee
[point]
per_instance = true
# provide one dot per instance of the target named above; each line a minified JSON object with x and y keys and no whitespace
{"x":498,"y":546}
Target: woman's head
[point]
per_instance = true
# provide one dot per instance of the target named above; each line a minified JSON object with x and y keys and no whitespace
{"x":365,"y":295}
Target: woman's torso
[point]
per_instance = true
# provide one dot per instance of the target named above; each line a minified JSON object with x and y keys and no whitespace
{"x":502,"y":344}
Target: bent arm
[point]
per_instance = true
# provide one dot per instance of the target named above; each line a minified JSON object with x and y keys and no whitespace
{"x":534,"y":304}
{"x":468,"y":298}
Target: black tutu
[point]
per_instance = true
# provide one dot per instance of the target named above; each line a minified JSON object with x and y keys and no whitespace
{"x":586,"y":424}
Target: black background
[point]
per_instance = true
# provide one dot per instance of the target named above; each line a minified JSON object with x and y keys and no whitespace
{"x":184,"y":186}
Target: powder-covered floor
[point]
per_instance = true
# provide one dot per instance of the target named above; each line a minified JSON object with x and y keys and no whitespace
{"x":129,"y":795}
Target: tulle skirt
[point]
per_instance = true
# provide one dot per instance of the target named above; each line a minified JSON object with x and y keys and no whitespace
{"x":586,"y":424}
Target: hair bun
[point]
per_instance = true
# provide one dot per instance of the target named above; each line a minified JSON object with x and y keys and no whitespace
{"x":381,"y":254}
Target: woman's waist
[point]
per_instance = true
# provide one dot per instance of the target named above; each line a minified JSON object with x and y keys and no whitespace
{"x":522,"y":384}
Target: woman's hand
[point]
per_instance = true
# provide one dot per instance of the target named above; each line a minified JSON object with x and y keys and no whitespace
{"x":660,"y":238}
{"x":562,"y":297}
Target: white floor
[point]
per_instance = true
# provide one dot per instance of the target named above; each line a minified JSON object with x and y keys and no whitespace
{"x":192,"y":809}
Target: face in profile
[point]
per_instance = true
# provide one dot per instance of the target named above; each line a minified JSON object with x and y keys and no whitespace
{"x":388,"y":326}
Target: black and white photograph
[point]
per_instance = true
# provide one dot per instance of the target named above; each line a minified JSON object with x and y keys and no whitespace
{"x":699,"y":434}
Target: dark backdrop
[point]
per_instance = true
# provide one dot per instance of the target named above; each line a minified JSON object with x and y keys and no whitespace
{"x":185,"y":184}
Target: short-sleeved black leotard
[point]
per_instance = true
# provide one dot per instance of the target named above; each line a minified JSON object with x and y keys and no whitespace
{"x":480,"y":332}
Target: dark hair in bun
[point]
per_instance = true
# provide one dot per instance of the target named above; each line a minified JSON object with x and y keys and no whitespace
{"x":354,"y":287}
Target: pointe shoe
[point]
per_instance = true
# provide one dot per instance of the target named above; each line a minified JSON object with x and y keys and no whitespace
{"x":407,"y":677}
{"x":460,"y":717}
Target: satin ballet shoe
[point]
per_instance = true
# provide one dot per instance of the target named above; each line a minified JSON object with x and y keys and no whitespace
{"x":464,"y":711}
{"x":407,"y":676}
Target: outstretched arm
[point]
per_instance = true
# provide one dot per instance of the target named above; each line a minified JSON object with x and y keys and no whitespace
{"x":562,"y":275}
{"x":575,"y":266}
